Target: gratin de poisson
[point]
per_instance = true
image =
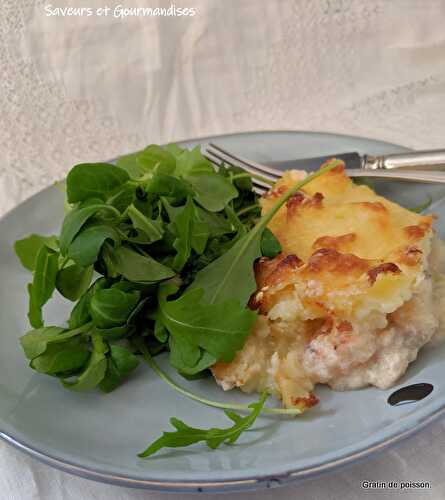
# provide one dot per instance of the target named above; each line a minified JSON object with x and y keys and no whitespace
{"x":353,"y":296}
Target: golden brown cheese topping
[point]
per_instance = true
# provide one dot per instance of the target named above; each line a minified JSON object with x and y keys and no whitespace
{"x":331,"y":305}
{"x":335,"y":234}
{"x":333,"y":212}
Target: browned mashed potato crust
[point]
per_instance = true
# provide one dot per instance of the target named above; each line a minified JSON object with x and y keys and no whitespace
{"x":350,"y":300}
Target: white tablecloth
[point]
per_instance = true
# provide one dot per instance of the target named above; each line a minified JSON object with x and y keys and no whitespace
{"x":86,"y":88}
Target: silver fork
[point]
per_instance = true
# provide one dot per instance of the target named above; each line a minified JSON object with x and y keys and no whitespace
{"x":264,"y":176}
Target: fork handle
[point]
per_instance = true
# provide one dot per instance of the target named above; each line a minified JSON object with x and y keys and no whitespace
{"x":416,"y":160}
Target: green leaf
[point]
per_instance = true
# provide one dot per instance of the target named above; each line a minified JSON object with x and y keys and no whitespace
{"x":182,"y":244}
{"x":28,"y":248}
{"x":160,"y":331}
{"x":121,"y":362}
{"x":168,"y":185}
{"x":216,"y":224}
{"x":43,"y":284}
{"x":191,"y":233}
{"x":187,"y":358}
{"x":221,"y":329}
{"x":80,"y":314}
{"x":75,"y":219}
{"x":35,"y":342}
{"x":231,"y":276}
{"x":85,"y":248}
{"x":35,"y":317}
{"x":138,"y":316}
{"x":62,"y":358}
{"x":111,"y":307}
{"x":155,"y":155}
{"x":191,"y":162}
{"x":88,"y":203}
{"x":200,"y":232}
{"x":205,"y":373}
{"x":115,"y":332}
{"x":212,"y":191}
{"x":184,"y":435}
{"x":174,"y":149}
{"x":172,"y":212}
{"x":95,"y":370}
{"x":73,"y":281}
{"x":93,"y":180}
{"x":130,"y":286}
{"x":152,"y":229}
{"x":270,"y":246}
{"x":136,"y":267}
{"x":45,"y":274}
{"x":199,"y":236}
{"x":131,"y":165}
{"x":122,"y":197}
{"x":183,"y":354}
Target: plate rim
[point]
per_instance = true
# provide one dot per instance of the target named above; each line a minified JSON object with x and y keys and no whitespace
{"x":255,"y":481}
{"x":224,"y":486}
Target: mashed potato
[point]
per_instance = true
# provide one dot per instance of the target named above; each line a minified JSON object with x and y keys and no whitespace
{"x":354,"y":295}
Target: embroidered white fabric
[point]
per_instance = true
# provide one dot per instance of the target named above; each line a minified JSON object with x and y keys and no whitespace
{"x":78,"y":89}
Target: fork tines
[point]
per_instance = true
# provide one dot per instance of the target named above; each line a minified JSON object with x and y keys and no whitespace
{"x":262,"y":176}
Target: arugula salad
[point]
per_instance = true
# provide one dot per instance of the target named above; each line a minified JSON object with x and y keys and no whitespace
{"x":157,"y":254}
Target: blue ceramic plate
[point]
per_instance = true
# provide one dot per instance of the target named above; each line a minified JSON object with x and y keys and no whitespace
{"x":98,"y":436}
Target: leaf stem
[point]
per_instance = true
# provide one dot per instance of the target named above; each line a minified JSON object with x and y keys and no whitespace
{"x":248,"y":209}
{"x":266,"y":218}
{"x":82,"y":329}
{"x":215,"y":404}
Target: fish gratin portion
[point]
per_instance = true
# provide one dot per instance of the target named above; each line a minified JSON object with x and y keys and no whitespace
{"x":354,"y":295}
